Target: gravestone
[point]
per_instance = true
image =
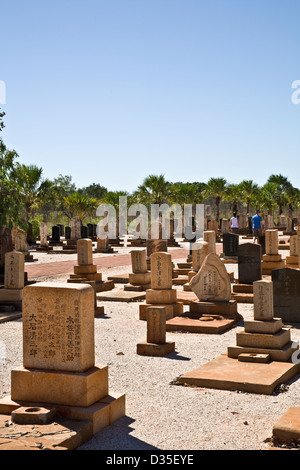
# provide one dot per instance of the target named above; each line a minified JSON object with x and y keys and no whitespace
{"x":286,"y":292}
{"x":55,"y":234}
{"x":263,"y":300}
{"x":230,"y":244}
{"x":209,"y":236}
{"x":161,"y":271}
{"x":85,"y":252}
{"x":84,"y":231}
{"x":262,"y":243}
{"x":249,"y":263}
{"x":21,"y":241}
{"x":156,"y":344}
{"x":90,"y":230}
{"x":212,"y":282}
{"x":61,"y":229}
{"x":199,"y":253}
{"x":212,"y":226}
{"x":75,"y":228}
{"x":225,"y":226}
{"x":138,"y":261}
{"x":14,"y":270}
{"x":68,"y":233}
{"x":5,"y":246}
{"x":271,"y":242}
{"x":140,"y":278}
{"x":43,"y":234}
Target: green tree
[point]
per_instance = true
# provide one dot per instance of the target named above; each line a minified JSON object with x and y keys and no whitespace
{"x":217,"y":188}
{"x":94,"y":190}
{"x":80,"y":205}
{"x":10,"y":203}
{"x":2,"y":114}
{"x":281,"y":187}
{"x":154,"y":190}
{"x":186,"y":193}
{"x":249,"y":192}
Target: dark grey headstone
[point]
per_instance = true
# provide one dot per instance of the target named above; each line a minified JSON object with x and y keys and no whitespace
{"x":90,"y":230}
{"x":249,"y":263}
{"x":286,"y":293}
{"x":55,"y":233}
{"x":68,"y":233}
{"x":84,"y":231}
{"x":61,"y":229}
{"x":230,"y":244}
{"x":262,"y":242}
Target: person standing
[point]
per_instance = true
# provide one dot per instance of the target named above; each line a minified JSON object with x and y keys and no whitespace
{"x":234,"y":224}
{"x":257,"y":222}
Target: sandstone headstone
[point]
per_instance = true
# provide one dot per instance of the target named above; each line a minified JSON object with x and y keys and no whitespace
{"x":212,"y":282}
{"x":154,"y":246}
{"x":156,"y":325}
{"x":85,"y":251}
{"x":271,"y":242}
{"x":43,"y":234}
{"x":293,"y":245}
{"x":212,"y":225}
{"x":58,"y":326}
{"x":263,"y":300}
{"x":161,"y":271}
{"x":209,"y":236}
{"x":14,"y":270}
{"x":75,"y":228}
{"x":102,"y":243}
{"x":249,"y":263}
{"x":21,"y":241}
{"x":139,"y":261}
{"x":199,"y":253}
{"x":225,"y":226}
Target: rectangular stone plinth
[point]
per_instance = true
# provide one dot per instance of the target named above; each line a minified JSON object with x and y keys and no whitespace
{"x":88,"y":269}
{"x":225,"y":373}
{"x":242,"y":288}
{"x":58,"y":326}
{"x":172,"y":310}
{"x":282,"y":355}
{"x":287,"y":427}
{"x":65,"y":388}
{"x":271,"y":258}
{"x":208,"y":325}
{"x":153,"y":349}
{"x":90,"y":277}
{"x":166,"y":296}
{"x":138,"y":279}
{"x":263,"y":340}
{"x":12,"y":295}
{"x":272,"y":265}
{"x":219,"y":308}
{"x":292,"y":260}
{"x":259,"y":326}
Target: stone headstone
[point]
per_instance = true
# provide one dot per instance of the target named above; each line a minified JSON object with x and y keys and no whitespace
{"x":5,"y":246}
{"x":269,"y":222}
{"x":209,"y":236}
{"x":293,"y":245}
{"x":249,"y":263}
{"x":85,"y":251}
{"x":262,"y":243}
{"x":90,"y":230}
{"x":55,"y":233}
{"x":68,"y":233}
{"x":14,"y":230}
{"x":161,"y":271}
{"x":61,"y":230}
{"x":84,"y":231}
{"x":75,"y":228}
{"x":43,"y":234}
{"x":154,"y":246}
{"x":212,"y":282}
{"x":199,"y":253}
{"x":156,"y":325}
{"x":230,"y":244}
{"x":212,"y":225}
{"x":21,"y":241}
{"x":225,"y":226}
{"x":286,"y":292}
{"x":243,"y":221}
{"x":102,"y":243}
{"x":14,"y":270}
{"x":139,"y":261}
{"x":58,"y":326}
{"x":263,"y":300}
{"x":271,"y":241}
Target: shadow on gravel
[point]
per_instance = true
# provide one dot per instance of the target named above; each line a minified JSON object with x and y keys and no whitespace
{"x":117,"y":437}
{"x":177,"y":357}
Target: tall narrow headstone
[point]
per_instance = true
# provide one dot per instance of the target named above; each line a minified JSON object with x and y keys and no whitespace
{"x":14,"y":270}
{"x":75,"y":228}
{"x":230,"y":244}
{"x":85,"y":251}
{"x":263,"y":300}
{"x":68,"y":233}
{"x":271,"y":242}
{"x":84,"y":231}
{"x":56,"y":234}
{"x":43,"y":234}
{"x":5,"y":246}
{"x":249,"y":263}
{"x":209,"y":236}
{"x":199,"y":253}
{"x":286,"y":291}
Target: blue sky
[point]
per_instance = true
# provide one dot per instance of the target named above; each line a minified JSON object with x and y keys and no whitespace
{"x":111,"y":91}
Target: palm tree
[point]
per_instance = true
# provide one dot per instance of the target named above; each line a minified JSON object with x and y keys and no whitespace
{"x":267,"y":197}
{"x":216,"y":187}
{"x":281,"y":186}
{"x":248,"y":193}
{"x":185,"y":193}
{"x":79,"y":205}
{"x":154,"y":190}
{"x":232,"y":195}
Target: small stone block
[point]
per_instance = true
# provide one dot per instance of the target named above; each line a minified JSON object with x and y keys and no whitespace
{"x":88,"y":269}
{"x":242,"y":288}
{"x":165,"y":296}
{"x":254,"y":357}
{"x":117,"y":405}
{"x":33,"y":415}
{"x":172,"y":310}
{"x":259,"y":326}
{"x":260,"y":340}
{"x":140,"y":278}
{"x":271,"y":258}
{"x":287,"y":427}
{"x":153,"y":349}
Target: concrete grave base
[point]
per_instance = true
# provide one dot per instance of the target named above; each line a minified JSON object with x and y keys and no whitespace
{"x":205,"y":324}
{"x":119,"y":295}
{"x":119,"y":278}
{"x":287,"y":427}
{"x":225,"y":373}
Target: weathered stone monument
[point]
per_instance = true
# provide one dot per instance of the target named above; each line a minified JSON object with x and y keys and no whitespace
{"x":292,"y":261}
{"x":286,"y":285}
{"x":199,"y":253}
{"x":59,"y":370}
{"x":156,"y":344}
{"x":6,"y":245}
{"x":209,"y":236}
{"x":161,"y":292}
{"x":140,"y":278}
{"x":225,"y":226}
{"x":249,"y":271}
{"x":22,"y":246}
{"x":261,"y":358}
{"x":272,"y":259}
{"x":44,"y":243}
{"x":11,"y":295}
{"x":103,"y":245}
{"x":230,"y":246}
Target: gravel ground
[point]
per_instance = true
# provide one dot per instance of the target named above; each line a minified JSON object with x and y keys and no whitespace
{"x":160,"y":415}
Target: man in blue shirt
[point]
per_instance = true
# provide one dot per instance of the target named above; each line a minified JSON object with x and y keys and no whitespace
{"x":257,"y":225}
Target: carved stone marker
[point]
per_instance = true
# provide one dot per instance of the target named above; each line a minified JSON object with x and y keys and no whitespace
{"x":286,"y":291}
{"x":43,"y":234}
{"x":271,"y":242}
{"x":75,"y":228}
{"x":156,"y":344}
{"x":230,"y":244}
{"x":212,"y":281}
{"x":161,"y":271}
{"x":263,"y":300}
{"x":249,"y":263}
{"x":14,"y":270}
{"x":209,"y":236}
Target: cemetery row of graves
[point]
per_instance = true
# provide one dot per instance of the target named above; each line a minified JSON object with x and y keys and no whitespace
{"x":59,"y":386}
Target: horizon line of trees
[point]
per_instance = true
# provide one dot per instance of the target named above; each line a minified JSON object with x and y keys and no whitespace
{"x":27,"y":198}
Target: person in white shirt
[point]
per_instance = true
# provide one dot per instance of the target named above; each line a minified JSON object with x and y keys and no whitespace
{"x":234,"y":224}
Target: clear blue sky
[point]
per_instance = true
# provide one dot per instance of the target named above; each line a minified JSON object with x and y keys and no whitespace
{"x":111,"y":91}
